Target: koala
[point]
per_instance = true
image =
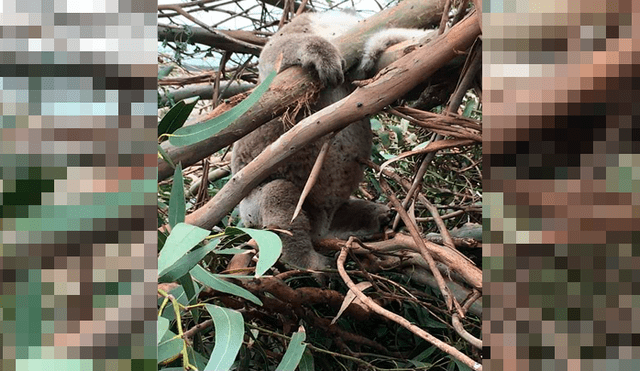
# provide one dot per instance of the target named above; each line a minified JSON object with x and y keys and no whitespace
{"x":328,"y":210}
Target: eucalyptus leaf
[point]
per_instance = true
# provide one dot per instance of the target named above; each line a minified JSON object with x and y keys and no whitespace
{"x":164,"y":72}
{"x":229,"y":331}
{"x":399,"y":135}
{"x":294,"y":352}
{"x":177,"y":204}
{"x":186,"y":262}
{"x":195,"y":133}
{"x":163,"y":327}
{"x":165,"y":156}
{"x":183,"y":238}
{"x":177,"y":116}
{"x":469,"y":107}
{"x":270,"y":248}
{"x":169,"y":349}
{"x":211,"y":280}
{"x":306,"y":362}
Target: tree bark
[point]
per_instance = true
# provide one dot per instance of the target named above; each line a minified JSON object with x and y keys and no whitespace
{"x":201,"y":36}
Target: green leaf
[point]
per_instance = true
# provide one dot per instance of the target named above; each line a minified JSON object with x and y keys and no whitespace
{"x":164,"y":72}
{"x":169,"y":349}
{"x":212,"y":280}
{"x":196,"y":358}
{"x":306,"y":362}
{"x":189,"y":287}
{"x":470,"y":106}
{"x":461,"y":366}
{"x":177,"y":204}
{"x":425,"y":354}
{"x":384,"y":139}
{"x":163,"y":327}
{"x":375,"y":124}
{"x":231,"y":251}
{"x":229,"y":327}
{"x":270,"y":248}
{"x":195,"y":133}
{"x":186,"y":262}
{"x":183,"y":238}
{"x":399,"y":135}
{"x":162,"y":239}
{"x":177,"y":116}
{"x":421,"y":145}
{"x":294,"y":352}
{"x":165,"y":157}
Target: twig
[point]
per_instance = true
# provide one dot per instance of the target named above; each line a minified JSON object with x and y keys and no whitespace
{"x":400,"y":320}
{"x":413,"y":230}
{"x":457,"y":324}
{"x":313,"y":176}
{"x":445,"y":17}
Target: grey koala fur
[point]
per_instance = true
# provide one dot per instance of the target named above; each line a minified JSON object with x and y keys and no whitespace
{"x":327,"y":211}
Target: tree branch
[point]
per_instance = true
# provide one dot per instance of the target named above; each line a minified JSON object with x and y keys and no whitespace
{"x":250,"y":43}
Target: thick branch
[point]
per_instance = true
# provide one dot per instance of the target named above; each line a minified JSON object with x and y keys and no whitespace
{"x":225,"y":40}
{"x":294,"y":83}
{"x":391,"y":83}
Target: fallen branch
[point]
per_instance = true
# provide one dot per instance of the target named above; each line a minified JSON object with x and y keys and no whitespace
{"x":451,"y":258}
{"x":401,"y":320}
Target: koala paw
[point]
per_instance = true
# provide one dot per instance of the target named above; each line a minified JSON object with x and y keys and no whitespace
{"x":367,"y":63}
{"x":323,"y":57}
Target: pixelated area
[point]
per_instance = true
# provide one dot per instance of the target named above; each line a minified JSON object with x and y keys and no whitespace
{"x":561,"y":185}
{"x":77,"y":184}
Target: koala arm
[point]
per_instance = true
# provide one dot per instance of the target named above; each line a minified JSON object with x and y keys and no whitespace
{"x":307,"y":42}
{"x":309,"y":51}
{"x":380,"y":41}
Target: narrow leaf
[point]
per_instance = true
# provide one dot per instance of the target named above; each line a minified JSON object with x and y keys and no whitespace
{"x":196,"y":358}
{"x":164,"y":72}
{"x":194,"y":133}
{"x":186,"y":262}
{"x":208,"y":279}
{"x":470,"y":106}
{"x":229,"y":327}
{"x":349,"y":298}
{"x":177,"y":204}
{"x":270,"y":248}
{"x":177,"y":116}
{"x":399,"y":135}
{"x":163,"y":327}
{"x":169,"y":349}
{"x":306,"y":362}
{"x":165,"y":156}
{"x":294,"y":352}
{"x":183,"y":238}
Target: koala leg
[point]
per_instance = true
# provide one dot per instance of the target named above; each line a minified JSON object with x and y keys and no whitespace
{"x":276,"y":201}
{"x":359,"y":218}
{"x":380,"y":41}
